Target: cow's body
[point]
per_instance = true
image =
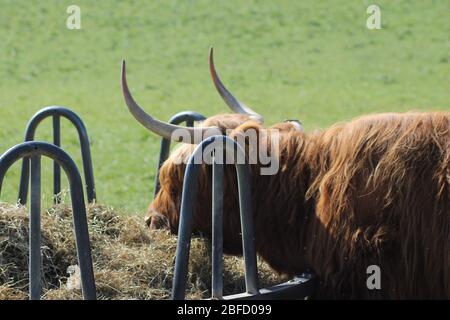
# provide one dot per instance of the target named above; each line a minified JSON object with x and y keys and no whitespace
{"x":373,"y":191}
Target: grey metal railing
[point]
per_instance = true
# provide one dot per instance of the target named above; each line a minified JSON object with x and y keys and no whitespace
{"x":298,"y":288}
{"x":57,"y":112}
{"x":189,"y":198}
{"x":35,"y":150}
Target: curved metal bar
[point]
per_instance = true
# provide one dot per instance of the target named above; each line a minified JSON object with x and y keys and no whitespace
{"x":57,"y":112}
{"x":37,"y":149}
{"x":185,"y":116}
{"x":189,"y":198}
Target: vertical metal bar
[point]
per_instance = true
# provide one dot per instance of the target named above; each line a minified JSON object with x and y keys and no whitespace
{"x":24,"y":178}
{"x":56,"y":167}
{"x":35,"y":261}
{"x":248,"y":240}
{"x":87,"y":165}
{"x":82,"y":238}
{"x":189,"y":197}
{"x":217,"y":230}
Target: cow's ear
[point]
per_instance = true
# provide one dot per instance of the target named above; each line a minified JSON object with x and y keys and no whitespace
{"x":288,"y":125}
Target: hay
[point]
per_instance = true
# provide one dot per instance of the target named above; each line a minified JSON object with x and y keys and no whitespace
{"x":130,"y":262}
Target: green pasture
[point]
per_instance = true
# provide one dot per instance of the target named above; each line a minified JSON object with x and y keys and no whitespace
{"x":310,"y":60}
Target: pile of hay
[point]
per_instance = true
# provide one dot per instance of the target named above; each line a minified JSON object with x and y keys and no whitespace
{"x":130,"y":262}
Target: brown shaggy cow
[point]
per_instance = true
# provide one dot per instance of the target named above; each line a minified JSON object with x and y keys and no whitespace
{"x":371,"y":191}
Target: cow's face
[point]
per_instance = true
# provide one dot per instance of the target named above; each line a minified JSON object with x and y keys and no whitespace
{"x":164,"y":211}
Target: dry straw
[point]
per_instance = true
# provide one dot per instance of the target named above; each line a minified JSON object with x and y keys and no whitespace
{"x":130,"y":262}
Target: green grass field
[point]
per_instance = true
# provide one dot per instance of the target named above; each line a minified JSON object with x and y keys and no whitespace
{"x":310,"y":60}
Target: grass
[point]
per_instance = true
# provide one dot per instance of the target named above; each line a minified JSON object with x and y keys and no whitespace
{"x":310,"y":60}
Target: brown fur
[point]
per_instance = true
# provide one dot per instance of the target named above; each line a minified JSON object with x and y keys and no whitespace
{"x":375,"y":190}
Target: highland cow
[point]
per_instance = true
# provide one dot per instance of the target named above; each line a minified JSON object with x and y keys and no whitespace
{"x":371,"y":191}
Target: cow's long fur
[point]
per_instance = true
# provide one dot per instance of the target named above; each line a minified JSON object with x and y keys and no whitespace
{"x":372,"y":191}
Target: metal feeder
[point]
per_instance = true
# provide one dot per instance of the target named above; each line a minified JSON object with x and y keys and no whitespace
{"x":298,"y":288}
{"x":57,"y":112}
{"x":35,"y":150}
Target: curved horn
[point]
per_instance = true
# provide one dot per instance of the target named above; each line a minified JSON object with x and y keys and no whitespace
{"x":163,"y":129}
{"x":229,"y":99}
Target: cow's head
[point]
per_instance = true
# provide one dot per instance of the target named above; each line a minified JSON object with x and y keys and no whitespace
{"x":164,"y":211}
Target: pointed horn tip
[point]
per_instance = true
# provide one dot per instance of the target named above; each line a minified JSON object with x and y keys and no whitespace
{"x":123,"y":71}
{"x":124,"y":84}
{"x":212,"y":67}
{"x":211,"y":58}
